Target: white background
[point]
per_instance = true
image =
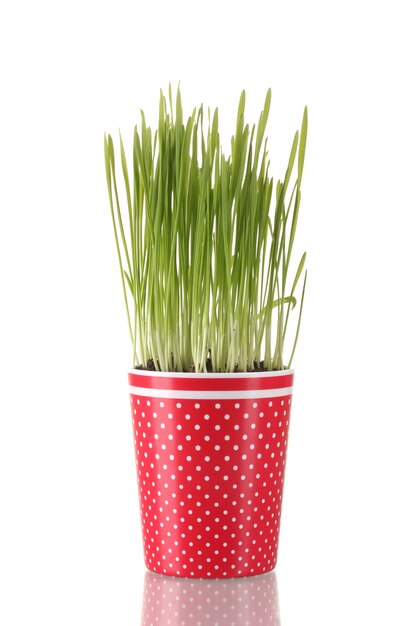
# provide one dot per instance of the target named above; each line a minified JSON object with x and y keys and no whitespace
{"x":70,"y":546}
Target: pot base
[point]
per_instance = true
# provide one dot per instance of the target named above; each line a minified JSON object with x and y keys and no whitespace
{"x":208,"y":576}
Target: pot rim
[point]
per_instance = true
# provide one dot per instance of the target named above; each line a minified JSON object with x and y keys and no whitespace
{"x":212,"y":376}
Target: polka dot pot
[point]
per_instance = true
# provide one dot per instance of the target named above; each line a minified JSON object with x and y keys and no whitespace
{"x":243,"y":602}
{"x":210,"y":455}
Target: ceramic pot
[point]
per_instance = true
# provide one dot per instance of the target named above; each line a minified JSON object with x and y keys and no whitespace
{"x":210,"y":455}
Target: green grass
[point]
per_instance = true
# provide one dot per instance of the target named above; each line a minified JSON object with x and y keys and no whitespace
{"x":204,"y":242}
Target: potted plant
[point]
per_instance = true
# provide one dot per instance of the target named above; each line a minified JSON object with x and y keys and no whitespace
{"x":204,"y":242}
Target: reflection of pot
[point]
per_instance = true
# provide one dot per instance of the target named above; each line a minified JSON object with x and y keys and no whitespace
{"x":210,"y":454}
{"x":244,"y":602}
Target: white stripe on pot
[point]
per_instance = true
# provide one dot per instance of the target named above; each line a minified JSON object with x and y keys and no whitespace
{"x":210,"y":395}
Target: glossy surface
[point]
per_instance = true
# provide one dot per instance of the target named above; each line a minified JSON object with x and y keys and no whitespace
{"x":184,"y":602}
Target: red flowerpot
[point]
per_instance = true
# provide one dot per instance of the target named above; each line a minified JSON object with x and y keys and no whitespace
{"x":210,"y":456}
